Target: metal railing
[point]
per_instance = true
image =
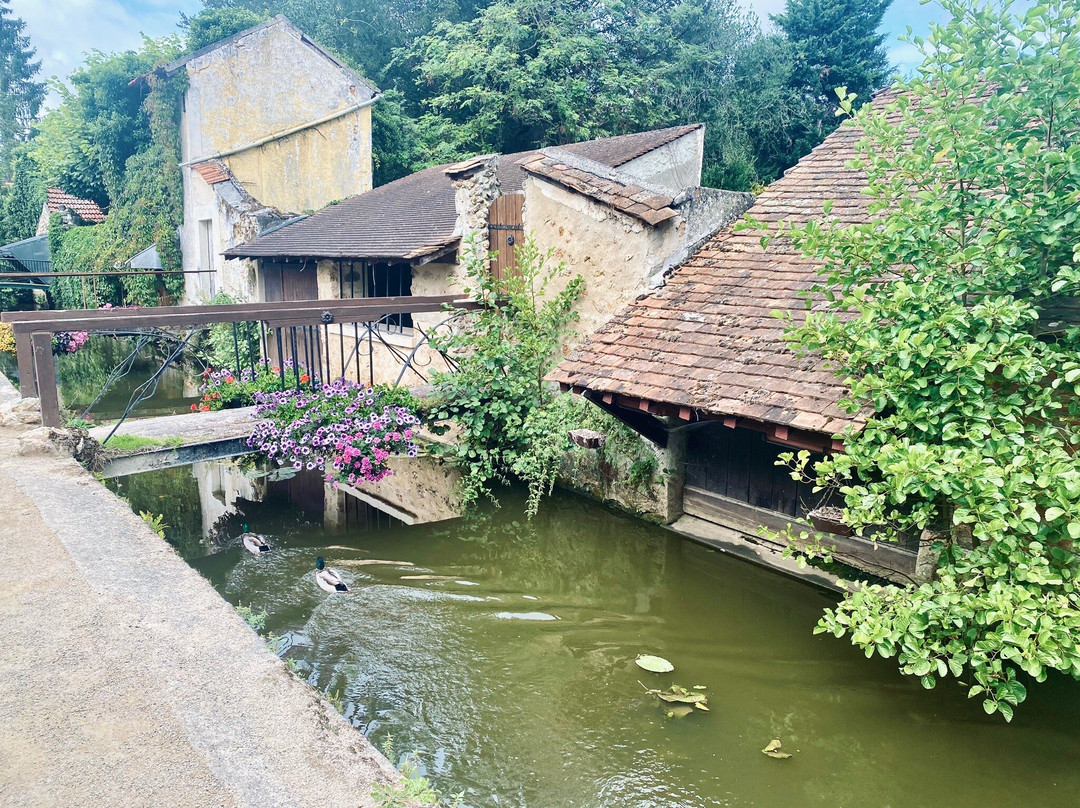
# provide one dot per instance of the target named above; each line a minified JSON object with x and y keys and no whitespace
{"x":296,"y":332}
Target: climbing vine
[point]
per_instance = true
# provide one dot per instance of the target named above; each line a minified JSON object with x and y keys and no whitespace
{"x":497,"y":397}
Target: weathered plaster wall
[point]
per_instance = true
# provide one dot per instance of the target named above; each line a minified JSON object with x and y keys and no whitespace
{"x":614,"y":253}
{"x":310,"y":169}
{"x":672,"y":167}
{"x":261,"y":85}
{"x":619,"y":256}
{"x":236,"y":218}
{"x":43,"y":221}
{"x":269,"y":82}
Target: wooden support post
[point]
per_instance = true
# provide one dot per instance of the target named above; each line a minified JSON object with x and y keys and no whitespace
{"x":45,"y":369}
{"x":24,"y":350}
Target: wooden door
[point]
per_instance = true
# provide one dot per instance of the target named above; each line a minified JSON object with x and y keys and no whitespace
{"x":505,"y":230}
{"x":288,"y":280}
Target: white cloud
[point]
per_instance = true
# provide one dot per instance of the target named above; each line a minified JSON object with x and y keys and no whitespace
{"x":64,"y":31}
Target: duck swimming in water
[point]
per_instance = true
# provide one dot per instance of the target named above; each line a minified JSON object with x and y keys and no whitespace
{"x":254,"y":543}
{"x":328,"y":579}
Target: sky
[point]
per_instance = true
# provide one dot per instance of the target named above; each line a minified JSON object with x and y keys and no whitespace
{"x":64,"y":30}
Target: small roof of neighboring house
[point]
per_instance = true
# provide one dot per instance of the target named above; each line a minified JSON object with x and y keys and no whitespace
{"x":279,"y":20}
{"x":30,"y":255}
{"x":212,"y":171}
{"x":708,"y":341}
{"x":86,"y":209}
{"x":415,"y":217}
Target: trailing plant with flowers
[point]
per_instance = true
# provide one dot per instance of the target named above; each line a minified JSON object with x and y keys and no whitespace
{"x":221,"y":389}
{"x":345,"y":430}
{"x":68,"y":342}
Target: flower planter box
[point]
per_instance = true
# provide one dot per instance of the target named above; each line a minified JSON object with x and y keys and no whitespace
{"x":829,"y":520}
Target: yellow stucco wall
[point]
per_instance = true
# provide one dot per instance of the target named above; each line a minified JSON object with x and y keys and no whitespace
{"x":266,"y":83}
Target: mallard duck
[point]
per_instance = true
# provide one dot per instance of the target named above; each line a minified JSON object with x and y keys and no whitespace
{"x":255,"y":543}
{"x":328,"y":579}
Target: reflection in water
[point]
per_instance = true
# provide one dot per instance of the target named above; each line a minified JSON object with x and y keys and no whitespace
{"x":82,"y":376}
{"x":441,"y":644}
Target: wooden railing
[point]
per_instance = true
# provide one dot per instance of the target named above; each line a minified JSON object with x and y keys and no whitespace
{"x":34,"y":330}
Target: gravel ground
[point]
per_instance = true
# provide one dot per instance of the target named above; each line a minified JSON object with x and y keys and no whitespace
{"x":127,"y":680}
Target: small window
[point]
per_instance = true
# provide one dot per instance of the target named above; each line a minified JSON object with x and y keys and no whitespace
{"x":380,"y":280}
{"x":206,"y":244}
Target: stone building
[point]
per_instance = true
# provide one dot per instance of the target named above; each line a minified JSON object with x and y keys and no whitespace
{"x":272,"y":125}
{"x":618,"y":211}
{"x":701,"y":368}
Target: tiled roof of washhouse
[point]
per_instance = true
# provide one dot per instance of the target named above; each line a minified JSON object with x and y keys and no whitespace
{"x":414,"y":217}
{"x":708,"y":340}
{"x":86,"y":209}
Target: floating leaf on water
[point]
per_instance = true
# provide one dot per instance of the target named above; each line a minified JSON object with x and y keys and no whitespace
{"x":680,"y":697}
{"x":679,"y":711}
{"x":653,"y":664}
{"x":699,"y":687}
{"x":773,"y":750}
{"x":683,"y":698}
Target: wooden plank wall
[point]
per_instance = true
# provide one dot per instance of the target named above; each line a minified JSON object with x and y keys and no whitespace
{"x":741,"y":465}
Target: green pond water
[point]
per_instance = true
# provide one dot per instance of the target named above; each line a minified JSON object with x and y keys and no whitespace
{"x":510,"y":672}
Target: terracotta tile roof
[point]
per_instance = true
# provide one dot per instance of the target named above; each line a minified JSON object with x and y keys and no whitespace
{"x":594,"y":180}
{"x":212,"y":171}
{"x":708,"y":340}
{"x":415,"y":216}
{"x":85,"y":209}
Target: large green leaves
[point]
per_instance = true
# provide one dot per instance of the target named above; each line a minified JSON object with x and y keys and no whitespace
{"x":939,"y":313}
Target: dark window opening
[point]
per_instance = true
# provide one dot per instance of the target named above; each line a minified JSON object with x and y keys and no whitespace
{"x":364,"y":280}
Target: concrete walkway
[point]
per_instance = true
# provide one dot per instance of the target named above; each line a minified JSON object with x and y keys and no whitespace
{"x":126,"y":679}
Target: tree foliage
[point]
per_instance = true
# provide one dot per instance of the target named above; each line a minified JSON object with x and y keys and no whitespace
{"x":22,"y":201}
{"x":83,"y":145}
{"x":941,"y":315}
{"x":21,"y":93}
{"x":466,"y":76}
{"x":528,"y":73}
{"x":213,"y":24}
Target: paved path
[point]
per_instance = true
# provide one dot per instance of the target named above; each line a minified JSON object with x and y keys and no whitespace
{"x":126,"y":679}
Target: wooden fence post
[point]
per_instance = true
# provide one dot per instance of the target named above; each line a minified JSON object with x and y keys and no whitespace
{"x":24,"y":350}
{"x":45,"y":369}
